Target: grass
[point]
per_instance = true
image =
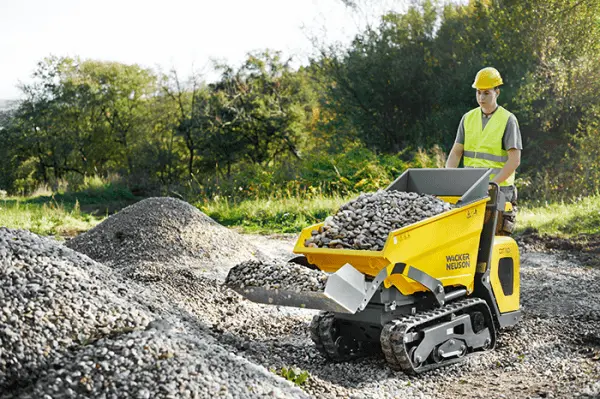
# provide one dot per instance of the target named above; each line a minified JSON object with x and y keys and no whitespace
{"x":46,"y":218}
{"x":290,"y":215}
{"x":567,"y":219}
{"x":286,"y":215}
{"x":68,"y":214}
{"x":64,"y":214}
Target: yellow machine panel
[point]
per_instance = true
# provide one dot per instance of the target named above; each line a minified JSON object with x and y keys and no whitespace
{"x":444,"y":246}
{"x":504,"y":273}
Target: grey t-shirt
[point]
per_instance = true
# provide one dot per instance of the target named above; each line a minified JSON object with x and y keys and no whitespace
{"x":510,"y":140}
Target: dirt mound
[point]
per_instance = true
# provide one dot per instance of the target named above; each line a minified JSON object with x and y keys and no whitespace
{"x":163,"y":231}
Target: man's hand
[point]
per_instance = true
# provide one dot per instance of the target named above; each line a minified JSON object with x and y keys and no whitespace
{"x":514,"y":160}
{"x":456,"y":154}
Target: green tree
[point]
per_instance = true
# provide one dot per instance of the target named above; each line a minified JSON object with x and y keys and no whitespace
{"x":84,"y":117}
{"x":380,"y":84}
{"x":269,"y":106}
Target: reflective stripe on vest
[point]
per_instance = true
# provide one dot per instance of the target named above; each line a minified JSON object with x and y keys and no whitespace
{"x":483,"y":147}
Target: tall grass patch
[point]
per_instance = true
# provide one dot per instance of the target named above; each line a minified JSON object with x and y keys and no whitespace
{"x":49,"y":218}
{"x":273,"y":215}
{"x":567,"y":218}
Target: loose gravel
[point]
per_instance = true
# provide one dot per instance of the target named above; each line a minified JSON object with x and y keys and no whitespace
{"x":71,"y":327}
{"x":163,"y":230}
{"x":185,"y":334}
{"x":365,"y":222}
{"x":276,"y":275}
{"x":52,"y":299}
{"x":567,"y":290}
{"x":159,"y":362}
{"x":551,"y":353}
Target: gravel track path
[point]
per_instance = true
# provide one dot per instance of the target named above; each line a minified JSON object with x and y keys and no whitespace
{"x":553,"y":352}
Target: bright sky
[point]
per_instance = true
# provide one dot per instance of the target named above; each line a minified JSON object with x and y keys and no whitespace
{"x":184,"y":34}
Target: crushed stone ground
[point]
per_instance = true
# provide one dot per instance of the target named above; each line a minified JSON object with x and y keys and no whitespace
{"x":72,"y":327}
{"x":195,"y":327}
{"x":551,"y":353}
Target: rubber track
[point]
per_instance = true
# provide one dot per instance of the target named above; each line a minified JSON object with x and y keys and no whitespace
{"x":322,"y":334}
{"x":314,"y":332}
{"x":393,"y":333}
{"x":386,"y":345}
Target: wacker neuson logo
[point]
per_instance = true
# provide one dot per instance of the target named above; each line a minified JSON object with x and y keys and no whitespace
{"x":458,"y":261}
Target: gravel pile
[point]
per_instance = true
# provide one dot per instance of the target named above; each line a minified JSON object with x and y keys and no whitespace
{"x":276,"y":275}
{"x":160,"y":362}
{"x":71,"y":327}
{"x":52,"y":299}
{"x":365,"y":222}
{"x":159,"y":231}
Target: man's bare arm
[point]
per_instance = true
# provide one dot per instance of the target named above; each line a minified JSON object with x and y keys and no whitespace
{"x":455,"y":155}
{"x":514,"y":160}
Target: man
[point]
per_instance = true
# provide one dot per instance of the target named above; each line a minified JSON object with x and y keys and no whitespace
{"x":489,"y":136}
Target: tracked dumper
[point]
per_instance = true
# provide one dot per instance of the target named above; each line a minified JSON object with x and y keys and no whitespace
{"x":439,"y":289}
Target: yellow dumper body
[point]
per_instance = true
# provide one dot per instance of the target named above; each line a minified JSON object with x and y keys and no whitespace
{"x":444,"y":246}
{"x":437,"y":290}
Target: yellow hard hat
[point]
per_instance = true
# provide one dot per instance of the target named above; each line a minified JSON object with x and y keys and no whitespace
{"x":487,"y":78}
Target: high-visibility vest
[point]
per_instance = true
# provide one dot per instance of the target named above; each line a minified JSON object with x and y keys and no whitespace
{"x":483,"y":147}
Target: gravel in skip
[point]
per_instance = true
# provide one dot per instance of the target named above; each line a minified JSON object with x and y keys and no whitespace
{"x":159,"y":362}
{"x":159,"y":230}
{"x":51,"y":299}
{"x":365,"y":222}
{"x":276,"y":275}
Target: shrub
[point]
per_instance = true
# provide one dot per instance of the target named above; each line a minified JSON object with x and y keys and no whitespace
{"x":295,"y":375}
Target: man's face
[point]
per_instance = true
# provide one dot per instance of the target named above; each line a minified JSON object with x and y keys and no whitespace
{"x":486,"y":97}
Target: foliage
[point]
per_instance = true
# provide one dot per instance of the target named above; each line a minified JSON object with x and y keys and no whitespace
{"x":265,"y":215}
{"x":297,"y":376}
{"x":566,"y":218}
{"x":352,"y":120}
{"x":406,"y":82}
{"x":372,"y":86}
{"x":358,"y":169}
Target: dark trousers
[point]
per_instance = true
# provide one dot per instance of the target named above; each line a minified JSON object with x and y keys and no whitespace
{"x":507,"y":220}
{"x":510,"y":193}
